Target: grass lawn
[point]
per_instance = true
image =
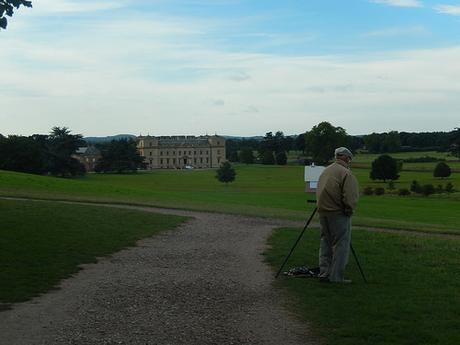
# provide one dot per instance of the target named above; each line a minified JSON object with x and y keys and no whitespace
{"x":271,"y":191}
{"x":412,"y":297}
{"x":44,"y":242}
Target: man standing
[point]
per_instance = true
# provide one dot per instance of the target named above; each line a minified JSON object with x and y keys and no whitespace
{"x":337,"y":195}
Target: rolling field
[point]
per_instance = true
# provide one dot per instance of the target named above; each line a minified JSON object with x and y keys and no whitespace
{"x":268,"y":191}
{"x":365,"y":160}
{"x":413,"y":279}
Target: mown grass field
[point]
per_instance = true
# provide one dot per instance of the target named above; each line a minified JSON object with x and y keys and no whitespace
{"x":412,"y":297}
{"x":44,"y":242}
{"x":365,"y":160}
{"x":269,"y":191}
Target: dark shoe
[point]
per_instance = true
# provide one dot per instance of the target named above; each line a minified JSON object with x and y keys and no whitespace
{"x":324,"y":280}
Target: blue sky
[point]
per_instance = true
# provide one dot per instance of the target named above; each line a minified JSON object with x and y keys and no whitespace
{"x":166,"y":67}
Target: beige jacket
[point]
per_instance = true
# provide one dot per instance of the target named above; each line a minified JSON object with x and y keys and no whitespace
{"x":337,"y":190}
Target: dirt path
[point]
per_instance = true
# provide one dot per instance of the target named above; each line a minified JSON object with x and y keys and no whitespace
{"x":204,"y":283}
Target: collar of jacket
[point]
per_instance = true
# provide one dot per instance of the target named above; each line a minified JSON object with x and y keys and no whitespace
{"x":342,"y":163}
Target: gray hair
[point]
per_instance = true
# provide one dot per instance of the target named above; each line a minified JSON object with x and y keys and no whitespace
{"x":343,"y":151}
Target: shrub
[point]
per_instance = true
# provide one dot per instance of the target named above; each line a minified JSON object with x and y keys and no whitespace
{"x":368,"y":190}
{"x":415,"y":187}
{"x":439,"y":188}
{"x":442,"y":170}
{"x":449,"y":188}
{"x":428,"y":189}
{"x":403,"y":192}
{"x":391,"y":185}
{"x":379,"y":191}
{"x":385,"y":168}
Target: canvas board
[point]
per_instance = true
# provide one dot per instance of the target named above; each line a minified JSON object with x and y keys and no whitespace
{"x":313,"y":172}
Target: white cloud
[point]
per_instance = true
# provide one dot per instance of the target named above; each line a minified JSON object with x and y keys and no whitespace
{"x":166,"y":77}
{"x":448,"y":9}
{"x":398,"y":31}
{"x":73,"y":6}
{"x":399,"y":3}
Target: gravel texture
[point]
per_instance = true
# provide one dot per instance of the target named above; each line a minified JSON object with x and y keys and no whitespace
{"x":203,"y":283}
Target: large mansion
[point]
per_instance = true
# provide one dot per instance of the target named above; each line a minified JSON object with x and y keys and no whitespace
{"x":178,"y":152}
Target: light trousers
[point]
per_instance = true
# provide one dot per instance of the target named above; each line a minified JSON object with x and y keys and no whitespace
{"x":334,"y":247}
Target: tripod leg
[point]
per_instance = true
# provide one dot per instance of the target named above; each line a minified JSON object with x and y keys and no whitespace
{"x":296,"y":242}
{"x":357,"y":261}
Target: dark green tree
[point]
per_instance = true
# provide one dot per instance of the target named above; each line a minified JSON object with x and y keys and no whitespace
{"x":119,"y":156}
{"x":384,"y":168}
{"x":299,"y":142}
{"x":7,"y":9}
{"x":23,"y":154}
{"x":454,"y":138}
{"x":226,"y":173}
{"x":390,"y":142}
{"x":383,"y":142}
{"x":246,"y":156}
{"x":442,"y":170}
{"x":61,"y":146}
{"x":288,"y":144}
{"x":232,"y":156}
{"x":372,"y":142}
{"x":281,"y":158}
{"x":268,"y":158}
{"x":322,"y":140}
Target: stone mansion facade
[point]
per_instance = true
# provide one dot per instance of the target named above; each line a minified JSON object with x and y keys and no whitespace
{"x":178,"y":152}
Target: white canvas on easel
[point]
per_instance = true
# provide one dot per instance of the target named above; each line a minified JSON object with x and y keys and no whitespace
{"x":311,"y":177}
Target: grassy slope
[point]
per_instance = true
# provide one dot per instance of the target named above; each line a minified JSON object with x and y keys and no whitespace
{"x":412,"y":297}
{"x":258,"y":190}
{"x":365,"y":160}
{"x":44,"y":242}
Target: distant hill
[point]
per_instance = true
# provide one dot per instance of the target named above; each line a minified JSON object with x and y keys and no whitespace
{"x":98,"y":140}
{"x":241,"y":138}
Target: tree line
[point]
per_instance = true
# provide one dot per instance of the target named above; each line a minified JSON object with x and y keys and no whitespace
{"x":404,"y":141}
{"x":50,"y":154}
{"x":55,"y":154}
{"x":320,"y":141}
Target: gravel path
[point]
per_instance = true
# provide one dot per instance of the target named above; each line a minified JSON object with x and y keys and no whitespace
{"x":204,"y":283}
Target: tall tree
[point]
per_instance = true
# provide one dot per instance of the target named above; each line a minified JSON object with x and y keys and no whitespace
{"x":299,"y":142}
{"x":384,"y":168}
{"x":455,"y":142}
{"x":268,"y":158}
{"x":120,"y":156}
{"x":62,"y":145}
{"x":322,"y":140}
{"x":281,"y":158}
{"x":7,"y":9}
{"x":246,"y":155}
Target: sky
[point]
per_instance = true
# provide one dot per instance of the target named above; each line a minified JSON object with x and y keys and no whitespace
{"x":230,"y":67}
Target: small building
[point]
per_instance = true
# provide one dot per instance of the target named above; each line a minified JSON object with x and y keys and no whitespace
{"x":88,"y":156}
{"x":182,"y":152}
